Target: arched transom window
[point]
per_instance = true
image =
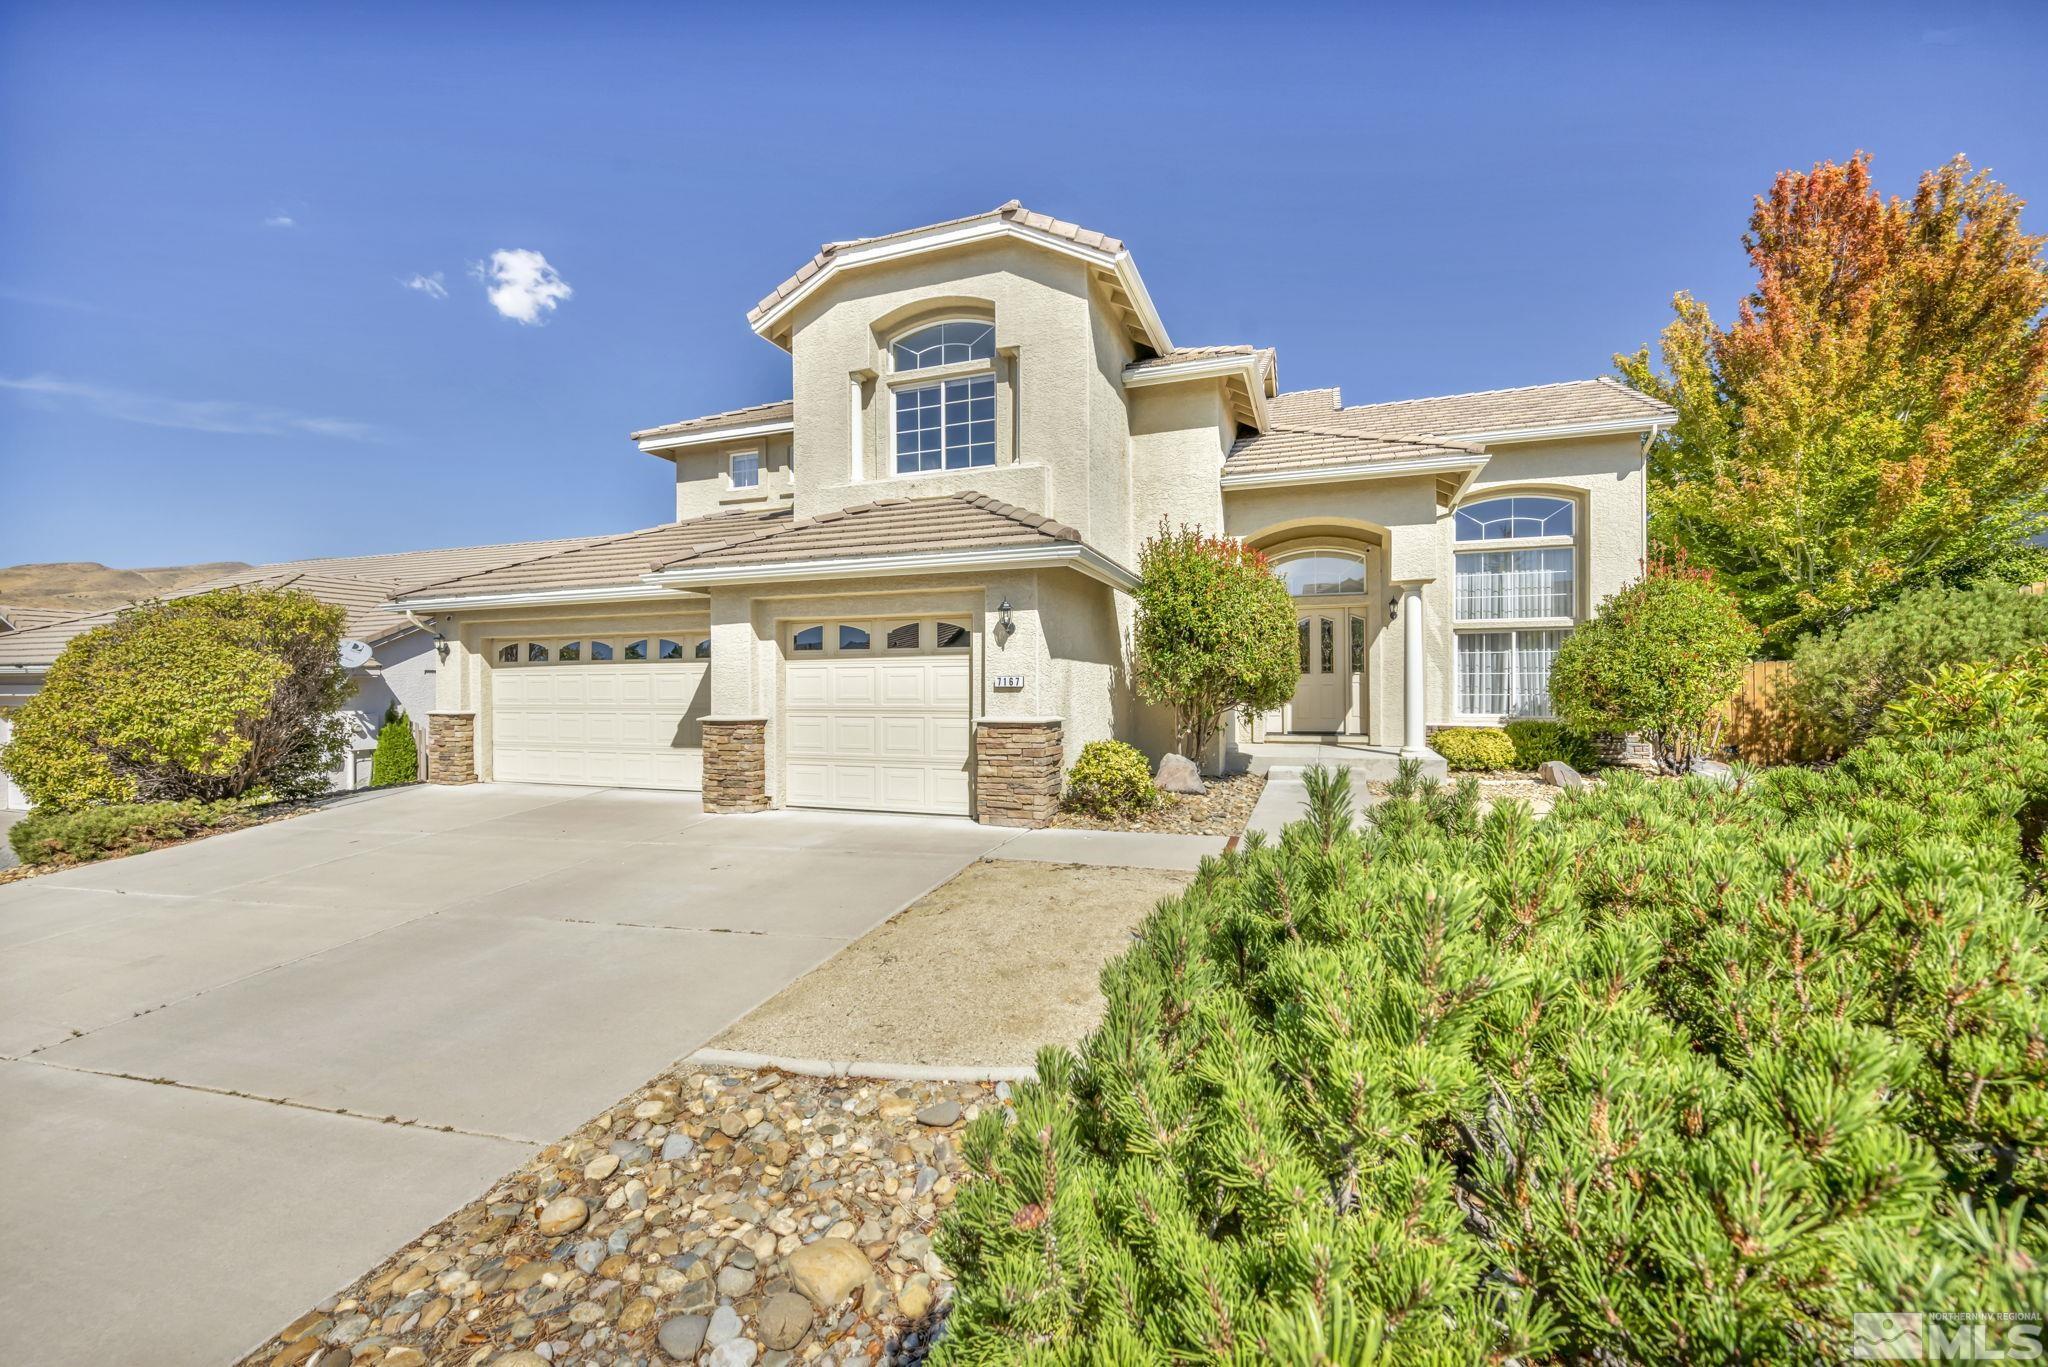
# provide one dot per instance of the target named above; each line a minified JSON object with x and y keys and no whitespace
{"x":1322,"y":573}
{"x":949,"y":424}
{"x":1516,"y":598}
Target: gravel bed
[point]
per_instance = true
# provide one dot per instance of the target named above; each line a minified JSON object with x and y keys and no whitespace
{"x":730,"y":1219}
{"x":1224,"y":810}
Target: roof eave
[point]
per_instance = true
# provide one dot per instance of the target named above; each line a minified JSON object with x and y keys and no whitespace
{"x":1557,"y":431}
{"x":713,"y":436}
{"x":768,"y":322}
{"x":1073,"y":555}
{"x":515,"y":598}
{"x":1355,"y":473}
{"x":1243,"y":370}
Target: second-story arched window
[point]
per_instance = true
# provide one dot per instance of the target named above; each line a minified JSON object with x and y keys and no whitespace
{"x":949,"y":424}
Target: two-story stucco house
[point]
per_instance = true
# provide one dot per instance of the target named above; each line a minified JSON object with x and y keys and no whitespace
{"x":907,"y":588}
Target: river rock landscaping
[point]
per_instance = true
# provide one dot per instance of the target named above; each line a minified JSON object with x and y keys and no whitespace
{"x":730,"y":1218}
{"x":1224,"y":809}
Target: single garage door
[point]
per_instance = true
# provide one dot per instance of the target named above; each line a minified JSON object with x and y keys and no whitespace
{"x":875,"y":715}
{"x":622,"y":711}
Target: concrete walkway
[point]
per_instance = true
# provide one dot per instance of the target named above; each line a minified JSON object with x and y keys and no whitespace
{"x":1285,"y":799}
{"x":235,"y":1073}
{"x":1111,"y":849}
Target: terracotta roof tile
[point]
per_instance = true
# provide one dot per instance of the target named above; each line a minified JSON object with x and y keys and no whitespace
{"x":889,"y":526}
{"x":610,"y":562}
{"x":782,"y":410}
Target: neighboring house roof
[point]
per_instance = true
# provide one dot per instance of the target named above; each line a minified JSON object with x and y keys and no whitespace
{"x":21,"y":619}
{"x":607,"y":563}
{"x":1491,"y":413}
{"x":711,"y":426}
{"x":1109,"y":256}
{"x":901,"y":535}
{"x":361,"y":585}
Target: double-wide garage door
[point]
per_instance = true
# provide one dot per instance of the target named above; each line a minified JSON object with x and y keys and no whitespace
{"x":619,"y":711}
{"x":875,"y":715}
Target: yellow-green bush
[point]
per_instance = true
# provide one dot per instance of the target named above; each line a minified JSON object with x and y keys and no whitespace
{"x":1539,"y":741}
{"x":1477,"y":749}
{"x":1110,"y":779}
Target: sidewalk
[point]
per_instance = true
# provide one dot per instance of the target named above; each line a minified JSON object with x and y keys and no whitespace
{"x":1111,"y":849}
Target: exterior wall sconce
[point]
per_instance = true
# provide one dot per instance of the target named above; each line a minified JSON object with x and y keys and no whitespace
{"x":441,"y":647}
{"x":1003,"y":618}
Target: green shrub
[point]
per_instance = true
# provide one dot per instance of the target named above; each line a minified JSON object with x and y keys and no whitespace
{"x":50,"y":836}
{"x":1109,"y":779}
{"x":397,"y":759}
{"x":211,"y":696}
{"x":1974,"y":696}
{"x":1658,"y":659}
{"x":1537,"y":742}
{"x":1480,"y":748}
{"x":1681,"y":1073}
{"x":1843,"y":680}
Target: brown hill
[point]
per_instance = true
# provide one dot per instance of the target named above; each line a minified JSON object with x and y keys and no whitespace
{"x":87,"y":585}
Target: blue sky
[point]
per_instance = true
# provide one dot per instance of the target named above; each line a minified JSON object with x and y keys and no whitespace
{"x":208,"y":217}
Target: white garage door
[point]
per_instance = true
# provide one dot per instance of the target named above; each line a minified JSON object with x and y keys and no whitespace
{"x":875,"y":715}
{"x":621,"y":711}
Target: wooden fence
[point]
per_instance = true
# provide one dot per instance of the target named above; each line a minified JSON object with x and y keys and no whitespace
{"x":1758,"y":729}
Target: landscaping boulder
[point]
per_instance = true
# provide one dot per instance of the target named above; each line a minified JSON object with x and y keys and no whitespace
{"x":1178,"y":774}
{"x":1713,"y":771}
{"x":1558,"y":774}
{"x":829,"y":1271}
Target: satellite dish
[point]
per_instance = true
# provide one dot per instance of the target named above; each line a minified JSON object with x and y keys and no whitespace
{"x":354,"y":654}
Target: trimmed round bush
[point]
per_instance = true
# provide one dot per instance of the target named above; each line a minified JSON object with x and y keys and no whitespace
{"x":1476,"y":749}
{"x":1658,"y":660}
{"x":1110,"y":778}
{"x":1843,"y":680}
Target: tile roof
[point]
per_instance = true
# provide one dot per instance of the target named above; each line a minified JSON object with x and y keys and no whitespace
{"x":783,"y":410}
{"x":1192,"y":353}
{"x":361,"y":585}
{"x":889,"y":526}
{"x":21,"y":619}
{"x":1011,"y":211}
{"x":610,"y":562}
{"x":1311,"y":427}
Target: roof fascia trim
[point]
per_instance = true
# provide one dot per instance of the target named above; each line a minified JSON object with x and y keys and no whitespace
{"x":610,"y":593}
{"x":713,"y":435}
{"x":1604,"y":427}
{"x":1350,"y":474}
{"x":1244,"y":369}
{"x":1066,"y":555}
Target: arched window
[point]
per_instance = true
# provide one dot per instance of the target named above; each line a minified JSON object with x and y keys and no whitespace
{"x":944,"y":344}
{"x":536,"y":653}
{"x":569,"y":651}
{"x":670,"y":650}
{"x":636,"y":650}
{"x":808,"y":638}
{"x":600,"y":650}
{"x":1515,"y":601}
{"x":948,"y":424}
{"x":1324,"y":573}
{"x":509,"y":655}
{"x":703,"y":649}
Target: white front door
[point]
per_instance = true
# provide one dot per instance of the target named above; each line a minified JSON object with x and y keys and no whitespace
{"x":1319,"y":701}
{"x":617,"y":711}
{"x":875,"y":715}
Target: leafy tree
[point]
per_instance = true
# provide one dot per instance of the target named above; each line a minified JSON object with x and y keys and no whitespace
{"x":1658,"y":659}
{"x":1845,"y":677}
{"x":212,"y":696}
{"x":1874,"y":418}
{"x":1215,"y":630}
{"x":397,"y":757}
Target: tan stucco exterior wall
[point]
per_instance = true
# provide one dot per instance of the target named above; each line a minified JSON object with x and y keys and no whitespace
{"x":1180,"y":435}
{"x":703,"y":485}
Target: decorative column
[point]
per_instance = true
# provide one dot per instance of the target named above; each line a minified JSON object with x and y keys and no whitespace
{"x":451,"y":747}
{"x":1414,"y":737}
{"x":1017,"y":764}
{"x":735,"y":764}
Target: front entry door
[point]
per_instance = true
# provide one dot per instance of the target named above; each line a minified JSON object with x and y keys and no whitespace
{"x":1319,"y":702}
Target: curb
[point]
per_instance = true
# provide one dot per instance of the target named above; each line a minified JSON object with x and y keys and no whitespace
{"x":852,"y":1068}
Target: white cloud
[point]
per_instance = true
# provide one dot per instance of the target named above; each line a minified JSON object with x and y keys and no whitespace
{"x":227,"y":416}
{"x":521,"y":284}
{"x":280,"y":221}
{"x":429,"y":285}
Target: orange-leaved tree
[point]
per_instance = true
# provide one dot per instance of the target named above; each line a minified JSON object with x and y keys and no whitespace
{"x":1874,"y":419}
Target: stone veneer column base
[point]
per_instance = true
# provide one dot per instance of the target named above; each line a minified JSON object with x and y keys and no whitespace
{"x":735,"y":764}
{"x":451,"y":747}
{"x":1017,"y":767}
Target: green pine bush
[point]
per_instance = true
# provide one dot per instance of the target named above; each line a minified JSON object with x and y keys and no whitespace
{"x":1681,"y":1073}
{"x":1481,"y":749}
{"x":48,"y":835}
{"x":1537,"y":742}
{"x":1110,"y":779}
{"x":1842,"y":680}
{"x":397,"y":757}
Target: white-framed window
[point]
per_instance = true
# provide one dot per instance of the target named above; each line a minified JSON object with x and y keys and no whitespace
{"x":866,"y":638}
{"x":1322,"y":573}
{"x":949,"y":424}
{"x":1514,"y":599}
{"x":744,"y":470}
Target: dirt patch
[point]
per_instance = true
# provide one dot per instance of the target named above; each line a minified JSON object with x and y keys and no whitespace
{"x":1224,"y":810}
{"x":982,"y":970}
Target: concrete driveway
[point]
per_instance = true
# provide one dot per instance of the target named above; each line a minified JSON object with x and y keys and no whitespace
{"x":236,"y":1073}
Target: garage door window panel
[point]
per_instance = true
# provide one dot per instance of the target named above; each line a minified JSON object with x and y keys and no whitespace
{"x":636,"y":650}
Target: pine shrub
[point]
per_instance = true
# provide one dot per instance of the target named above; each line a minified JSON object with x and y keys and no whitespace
{"x":1110,"y":779}
{"x":48,"y":835}
{"x":1682,"y":1073}
{"x":397,"y":757}
{"x":1480,"y":749}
